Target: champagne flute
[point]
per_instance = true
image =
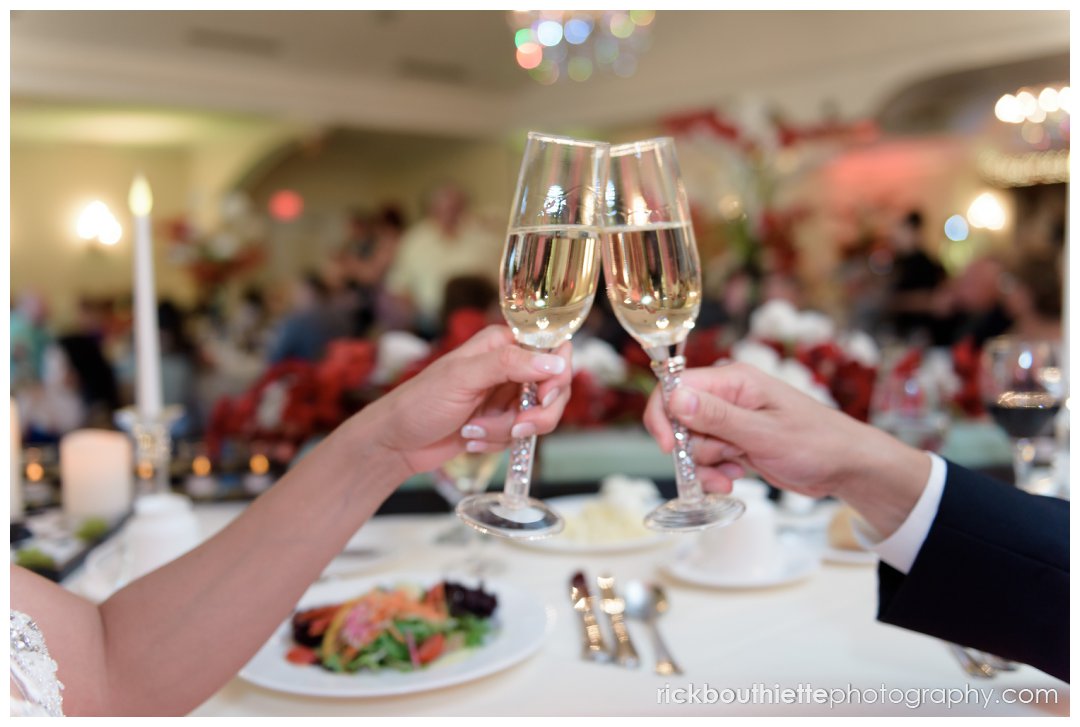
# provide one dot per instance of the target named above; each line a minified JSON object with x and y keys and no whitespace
{"x":468,"y":473}
{"x":1023,"y":385}
{"x":654,"y":283}
{"x":550,"y":269}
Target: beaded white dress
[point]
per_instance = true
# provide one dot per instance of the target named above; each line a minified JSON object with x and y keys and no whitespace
{"x":35,"y":690}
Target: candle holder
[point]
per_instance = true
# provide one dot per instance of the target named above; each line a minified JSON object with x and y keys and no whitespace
{"x":152,"y":437}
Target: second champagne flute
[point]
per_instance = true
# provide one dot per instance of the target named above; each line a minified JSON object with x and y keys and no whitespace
{"x":550,"y":269}
{"x":654,"y":285}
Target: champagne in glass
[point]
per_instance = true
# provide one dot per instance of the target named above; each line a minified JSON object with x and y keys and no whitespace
{"x":654,"y":284}
{"x":550,"y":269}
{"x":1023,"y":386}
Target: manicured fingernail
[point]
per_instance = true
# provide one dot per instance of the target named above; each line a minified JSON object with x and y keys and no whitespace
{"x":525,"y":429}
{"x":475,"y":445}
{"x":550,"y":398}
{"x":548,"y":363}
{"x":471,"y":431}
{"x":684,"y":402}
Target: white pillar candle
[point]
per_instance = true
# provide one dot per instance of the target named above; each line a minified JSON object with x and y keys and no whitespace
{"x":16,"y":465}
{"x":95,"y":474}
{"x":147,"y":343}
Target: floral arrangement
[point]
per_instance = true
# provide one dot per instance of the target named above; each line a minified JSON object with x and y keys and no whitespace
{"x":234,"y":249}
{"x":804,"y":350}
{"x":293,"y":401}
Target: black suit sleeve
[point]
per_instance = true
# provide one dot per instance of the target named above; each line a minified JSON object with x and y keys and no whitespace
{"x":992,"y":574}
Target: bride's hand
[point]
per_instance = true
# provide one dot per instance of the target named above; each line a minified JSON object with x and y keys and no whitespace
{"x":468,"y":400}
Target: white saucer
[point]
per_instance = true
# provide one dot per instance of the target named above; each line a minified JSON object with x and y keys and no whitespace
{"x":795,"y":562}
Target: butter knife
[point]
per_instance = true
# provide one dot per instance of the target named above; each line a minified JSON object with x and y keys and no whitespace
{"x":594,"y":648}
{"x":614,"y":606}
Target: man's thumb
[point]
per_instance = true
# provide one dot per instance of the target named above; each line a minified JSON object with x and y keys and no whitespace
{"x":707,"y":414}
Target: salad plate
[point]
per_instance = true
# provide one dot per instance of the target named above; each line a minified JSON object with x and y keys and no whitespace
{"x":587,"y":533}
{"x":518,"y":627}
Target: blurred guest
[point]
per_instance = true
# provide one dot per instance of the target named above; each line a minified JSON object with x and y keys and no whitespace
{"x":369,"y":263}
{"x":29,"y":339}
{"x":469,"y":292}
{"x":915,"y":295}
{"x":305,"y":330}
{"x":250,"y":321}
{"x":976,"y":300}
{"x":1032,"y":298}
{"x":180,"y":364}
{"x":97,"y":382}
{"x":51,"y":406}
{"x":446,"y":243}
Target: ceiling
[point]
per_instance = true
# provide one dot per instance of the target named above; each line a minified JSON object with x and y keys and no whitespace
{"x":186,"y":74}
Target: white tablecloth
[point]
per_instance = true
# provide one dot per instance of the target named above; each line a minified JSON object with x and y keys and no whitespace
{"x":820,"y":632}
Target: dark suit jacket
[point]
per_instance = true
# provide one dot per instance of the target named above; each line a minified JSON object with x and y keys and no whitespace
{"x":993,"y":574}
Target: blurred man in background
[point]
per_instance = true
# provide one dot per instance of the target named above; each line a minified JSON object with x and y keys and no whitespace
{"x":444,"y":245}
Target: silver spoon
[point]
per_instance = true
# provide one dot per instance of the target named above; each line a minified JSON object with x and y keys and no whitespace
{"x":645,"y":602}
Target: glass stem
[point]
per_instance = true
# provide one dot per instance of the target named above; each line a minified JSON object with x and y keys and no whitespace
{"x":1023,"y":460}
{"x":522,"y":450}
{"x":669,"y":372}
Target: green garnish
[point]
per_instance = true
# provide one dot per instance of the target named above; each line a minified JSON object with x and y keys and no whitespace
{"x":35,"y":559}
{"x":92,"y":529}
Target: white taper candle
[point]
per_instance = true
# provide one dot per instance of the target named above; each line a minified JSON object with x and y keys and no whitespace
{"x":147,"y":343}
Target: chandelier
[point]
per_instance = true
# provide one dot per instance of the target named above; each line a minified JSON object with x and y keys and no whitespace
{"x":576,"y":44}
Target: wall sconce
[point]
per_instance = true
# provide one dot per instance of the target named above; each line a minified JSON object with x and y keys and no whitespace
{"x":97,"y":222}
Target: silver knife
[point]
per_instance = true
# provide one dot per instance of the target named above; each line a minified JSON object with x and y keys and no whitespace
{"x":594,"y":648}
{"x":613,"y":606}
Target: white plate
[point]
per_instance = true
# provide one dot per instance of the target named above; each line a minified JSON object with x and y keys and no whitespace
{"x":570,"y":506}
{"x":794,"y":562}
{"x":842,"y":556}
{"x":520,"y":627}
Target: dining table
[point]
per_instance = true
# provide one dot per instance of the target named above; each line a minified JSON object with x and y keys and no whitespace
{"x":807,"y":647}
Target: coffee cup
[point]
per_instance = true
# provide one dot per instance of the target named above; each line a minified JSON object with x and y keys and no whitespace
{"x":747,"y":547}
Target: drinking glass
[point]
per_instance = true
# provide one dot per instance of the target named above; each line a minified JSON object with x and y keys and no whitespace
{"x":468,"y":473}
{"x":550,"y":269}
{"x":910,"y":404}
{"x":1023,"y":385}
{"x":653,"y":280}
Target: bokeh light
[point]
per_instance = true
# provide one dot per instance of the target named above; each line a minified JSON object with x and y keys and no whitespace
{"x":523,"y":36}
{"x":546,"y":72}
{"x":97,"y":222}
{"x":1048,"y":100}
{"x":549,"y":33}
{"x":286,"y":205}
{"x":607,"y":50}
{"x":1028,"y":103}
{"x":610,"y":41}
{"x":1008,"y":109}
{"x":621,"y":25}
{"x":1064,"y":98}
{"x":956,"y":228}
{"x":530,"y":55}
{"x":986,"y":212}
{"x":577,"y":31}
{"x":580,"y":68}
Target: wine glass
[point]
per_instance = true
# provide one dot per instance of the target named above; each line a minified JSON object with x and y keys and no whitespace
{"x":550,"y":269}
{"x":468,"y":473}
{"x":910,"y":405}
{"x":654,"y":284}
{"x":1023,"y":385}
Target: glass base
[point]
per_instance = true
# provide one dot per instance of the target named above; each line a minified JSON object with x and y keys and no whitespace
{"x":491,"y":514}
{"x":712,"y":511}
